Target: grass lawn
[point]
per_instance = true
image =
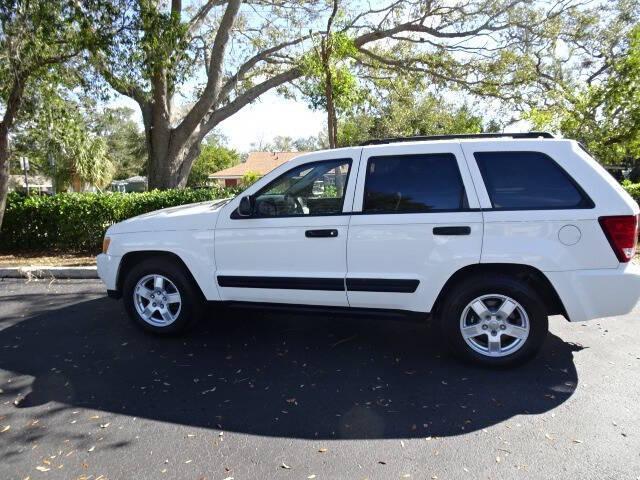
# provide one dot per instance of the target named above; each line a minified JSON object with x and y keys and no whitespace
{"x":61,"y":260}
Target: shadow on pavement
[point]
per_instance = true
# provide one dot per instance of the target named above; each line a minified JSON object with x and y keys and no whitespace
{"x":276,"y":375}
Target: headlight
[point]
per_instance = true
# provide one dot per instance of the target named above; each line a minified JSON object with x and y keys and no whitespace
{"x":105,"y":244}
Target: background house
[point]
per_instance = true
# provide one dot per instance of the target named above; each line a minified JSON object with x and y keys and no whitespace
{"x":37,"y":184}
{"x":131,"y":184}
{"x":260,"y":163}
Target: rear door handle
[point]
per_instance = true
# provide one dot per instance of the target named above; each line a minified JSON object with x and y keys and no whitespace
{"x":451,"y":230}
{"x":329,"y":233}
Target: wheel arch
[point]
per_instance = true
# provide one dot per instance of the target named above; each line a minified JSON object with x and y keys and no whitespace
{"x":534,"y":277}
{"x":130,"y":259}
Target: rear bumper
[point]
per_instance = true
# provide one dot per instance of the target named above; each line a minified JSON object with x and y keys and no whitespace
{"x":108,"y":270}
{"x":590,"y":294}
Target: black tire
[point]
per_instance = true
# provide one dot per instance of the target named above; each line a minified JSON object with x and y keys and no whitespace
{"x":191,"y":301}
{"x":457,"y":300}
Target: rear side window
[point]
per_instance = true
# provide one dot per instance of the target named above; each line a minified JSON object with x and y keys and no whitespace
{"x":529,"y":180}
{"x":413,"y":184}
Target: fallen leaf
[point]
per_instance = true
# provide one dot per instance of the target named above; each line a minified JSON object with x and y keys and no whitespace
{"x":104,"y":425}
{"x":40,"y":468}
{"x":322,"y":450}
{"x":5,"y":429}
{"x":577,"y":441}
{"x":311,"y":476}
{"x":285,"y":466}
{"x":92,"y":449}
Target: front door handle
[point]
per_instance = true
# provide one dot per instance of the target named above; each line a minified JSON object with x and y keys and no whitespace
{"x":329,"y":233}
{"x":451,"y":230}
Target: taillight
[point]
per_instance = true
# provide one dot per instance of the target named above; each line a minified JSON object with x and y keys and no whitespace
{"x":622,"y":233}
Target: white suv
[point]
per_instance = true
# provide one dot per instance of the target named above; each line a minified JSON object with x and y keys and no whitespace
{"x":489,"y":234}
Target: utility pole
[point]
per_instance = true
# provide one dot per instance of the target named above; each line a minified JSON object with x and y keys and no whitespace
{"x":52,"y":159}
{"x":52,"y":164}
{"x":24,"y":164}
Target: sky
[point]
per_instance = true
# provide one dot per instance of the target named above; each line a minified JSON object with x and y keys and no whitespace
{"x":268,"y":117}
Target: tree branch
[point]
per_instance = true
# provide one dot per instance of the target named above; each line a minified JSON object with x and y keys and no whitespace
{"x":249,"y":96}
{"x":120,"y":85}
{"x":200,"y":16}
{"x":231,"y":83}
{"x":209,"y":96}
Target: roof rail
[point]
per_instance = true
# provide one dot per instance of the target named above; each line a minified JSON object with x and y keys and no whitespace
{"x":418,"y":138}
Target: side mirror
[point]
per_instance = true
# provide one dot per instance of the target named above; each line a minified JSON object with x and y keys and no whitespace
{"x":245,"y":209}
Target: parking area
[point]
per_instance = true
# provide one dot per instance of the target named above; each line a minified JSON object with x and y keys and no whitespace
{"x":84,"y":394}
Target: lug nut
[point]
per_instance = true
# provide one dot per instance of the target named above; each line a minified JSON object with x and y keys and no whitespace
{"x":484,"y":327}
{"x":153,"y":304}
{"x":503,"y":327}
{"x":153,"y":296}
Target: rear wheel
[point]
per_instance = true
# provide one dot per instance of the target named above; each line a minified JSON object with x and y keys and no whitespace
{"x":494,"y":320}
{"x":160,"y":297}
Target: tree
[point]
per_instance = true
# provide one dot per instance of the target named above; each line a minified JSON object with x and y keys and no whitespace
{"x":125,"y":144}
{"x":249,"y":178}
{"x":57,"y":128}
{"x":603,"y":113}
{"x":213,"y":158}
{"x":405,"y":113}
{"x":241,"y":50}
{"x":37,"y":37}
{"x":86,"y":145}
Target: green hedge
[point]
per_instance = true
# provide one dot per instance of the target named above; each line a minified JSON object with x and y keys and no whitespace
{"x":76,"y":222}
{"x":634,"y":190}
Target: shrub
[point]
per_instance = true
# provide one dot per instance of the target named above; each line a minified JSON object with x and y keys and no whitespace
{"x":634,"y":190}
{"x":76,"y":222}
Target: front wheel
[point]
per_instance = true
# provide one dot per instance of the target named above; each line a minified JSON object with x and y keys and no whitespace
{"x":160,"y":297}
{"x":494,"y":320}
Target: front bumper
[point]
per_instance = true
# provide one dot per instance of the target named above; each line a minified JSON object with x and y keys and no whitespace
{"x":590,"y":294}
{"x":108,"y":266}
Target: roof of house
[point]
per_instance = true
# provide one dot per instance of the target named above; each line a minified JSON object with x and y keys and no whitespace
{"x":259,"y":162}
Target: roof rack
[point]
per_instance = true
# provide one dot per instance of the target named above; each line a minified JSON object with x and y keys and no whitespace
{"x":418,"y":138}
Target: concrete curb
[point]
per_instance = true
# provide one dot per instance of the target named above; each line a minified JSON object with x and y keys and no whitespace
{"x":49,"y":272}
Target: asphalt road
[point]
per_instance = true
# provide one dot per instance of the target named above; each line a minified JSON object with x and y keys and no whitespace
{"x":84,"y":394}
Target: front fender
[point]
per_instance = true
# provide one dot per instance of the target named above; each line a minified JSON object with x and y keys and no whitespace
{"x":193,"y":247}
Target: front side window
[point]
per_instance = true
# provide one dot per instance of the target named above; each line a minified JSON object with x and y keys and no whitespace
{"x":528,"y":180}
{"x":413,"y":184}
{"x":312,"y":189}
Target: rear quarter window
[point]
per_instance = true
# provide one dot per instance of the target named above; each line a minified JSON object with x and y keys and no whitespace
{"x":529,"y":181}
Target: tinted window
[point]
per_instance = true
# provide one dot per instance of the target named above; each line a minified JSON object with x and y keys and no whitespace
{"x":311,"y":189}
{"x":413,"y":183}
{"x":528,"y":180}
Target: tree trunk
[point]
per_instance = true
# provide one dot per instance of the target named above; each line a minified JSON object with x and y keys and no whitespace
{"x":4,"y":168}
{"x":13,"y":105}
{"x":170,"y":161}
{"x":328,"y":92}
